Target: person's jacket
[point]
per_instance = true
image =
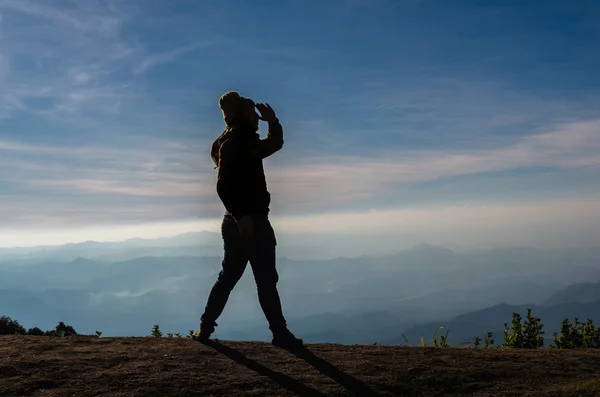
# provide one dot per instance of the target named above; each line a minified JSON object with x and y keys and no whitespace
{"x":238,"y":154}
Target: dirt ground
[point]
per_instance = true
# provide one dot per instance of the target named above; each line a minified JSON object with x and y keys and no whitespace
{"x":79,"y":366}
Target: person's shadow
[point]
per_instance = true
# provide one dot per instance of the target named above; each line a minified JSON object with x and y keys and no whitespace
{"x":282,"y":379}
{"x":350,"y":383}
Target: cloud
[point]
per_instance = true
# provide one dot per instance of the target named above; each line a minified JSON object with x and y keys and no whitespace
{"x":169,"y":56}
{"x":74,"y":15}
{"x":77,"y":59}
{"x":331,"y":181}
{"x":67,"y":53}
{"x":153,"y":180}
{"x":449,"y":108}
{"x":161,"y":179}
{"x":436,"y":222}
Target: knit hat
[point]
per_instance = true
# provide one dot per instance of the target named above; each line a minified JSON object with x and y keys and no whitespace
{"x":231,"y":104}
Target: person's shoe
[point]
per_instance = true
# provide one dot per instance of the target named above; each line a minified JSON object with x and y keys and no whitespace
{"x":204,"y":332}
{"x":287,"y":340}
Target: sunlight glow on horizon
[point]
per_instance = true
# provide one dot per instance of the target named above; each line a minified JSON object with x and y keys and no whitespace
{"x":49,"y":237}
{"x":527,"y":222}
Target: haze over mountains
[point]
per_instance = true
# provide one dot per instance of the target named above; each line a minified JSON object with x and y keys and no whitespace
{"x":125,"y":288}
{"x":292,"y":245}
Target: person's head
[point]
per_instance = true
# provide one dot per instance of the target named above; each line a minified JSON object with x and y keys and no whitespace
{"x":238,"y":111}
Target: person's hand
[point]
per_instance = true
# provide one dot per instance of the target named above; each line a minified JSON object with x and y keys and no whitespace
{"x":266,"y":112}
{"x":246,"y":227}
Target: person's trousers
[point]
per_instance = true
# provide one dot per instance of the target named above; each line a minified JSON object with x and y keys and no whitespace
{"x":260,"y":252}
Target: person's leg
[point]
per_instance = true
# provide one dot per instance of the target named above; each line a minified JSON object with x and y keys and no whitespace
{"x":263,"y":262}
{"x":234,"y":263}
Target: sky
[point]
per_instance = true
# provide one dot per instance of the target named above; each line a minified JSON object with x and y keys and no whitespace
{"x":446,"y":119}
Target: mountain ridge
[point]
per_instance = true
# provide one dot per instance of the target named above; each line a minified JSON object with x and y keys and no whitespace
{"x":466,"y":327}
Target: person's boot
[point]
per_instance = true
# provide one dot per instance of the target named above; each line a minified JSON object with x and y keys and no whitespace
{"x":286,"y":340}
{"x":204,"y":332}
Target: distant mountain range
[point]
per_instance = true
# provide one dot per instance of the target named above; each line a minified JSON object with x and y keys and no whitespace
{"x":361,"y":299}
{"x":580,"y":292}
{"x":580,"y":301}
{"x":188,"y":244}
{"x":300,"y":246}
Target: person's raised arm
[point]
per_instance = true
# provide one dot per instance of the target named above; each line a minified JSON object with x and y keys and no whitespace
{"x":274,"y":140}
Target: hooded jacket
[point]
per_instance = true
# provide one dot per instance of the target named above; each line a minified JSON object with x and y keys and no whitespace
{"x":241,"y":183}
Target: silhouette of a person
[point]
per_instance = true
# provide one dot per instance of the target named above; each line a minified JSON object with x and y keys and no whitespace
{"x":246,"y":230}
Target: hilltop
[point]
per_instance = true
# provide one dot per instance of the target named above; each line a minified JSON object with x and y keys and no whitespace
{"x":136,"y":366}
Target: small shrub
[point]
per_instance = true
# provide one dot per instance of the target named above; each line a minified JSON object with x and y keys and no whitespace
{"x":98,"y":334}
{"x":533,"y":332}
{"x":65,"y":330}
{"x":513,"y":336}
{"x":35,"y":331}
{"x":488,"y":341}
{"x":156,"y":332}
{"x":527,"y":335}
{"x":8,"y":326}
{"x":577,"y":335}
{"x":178,"y":335}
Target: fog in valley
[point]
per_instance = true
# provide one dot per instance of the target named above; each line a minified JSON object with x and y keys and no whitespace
{"x":124,"y":288}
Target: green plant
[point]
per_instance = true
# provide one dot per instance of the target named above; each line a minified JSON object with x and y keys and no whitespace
{"x":577,"y":335}
{"x":178,"y":335}
{"x":527,"y":335}
{"x":156,"y":332}
{"x":591,"y":335}
{"x":513,"y":336}
{"x":437,"y":340}
{"x":443,"y":339}
{"x":533,"y":335}
{"x":488,"y":341}
{"x":98,"y":334}
{"x":190,"y":333}
{"x":169,"y":334}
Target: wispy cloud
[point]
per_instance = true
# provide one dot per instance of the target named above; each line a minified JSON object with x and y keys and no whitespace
{"x":72,"y":15}
{"x":342,"y":180}
{"x":66,"y":51}
{"x":438,"y":221}
{"x":156,"y":59}
{"x":79,"y":58}
{"x":175,"y":172}
{"x":153,"y":180}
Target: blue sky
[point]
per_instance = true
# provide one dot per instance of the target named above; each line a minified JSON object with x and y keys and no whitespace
{"x":108,"y":108}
